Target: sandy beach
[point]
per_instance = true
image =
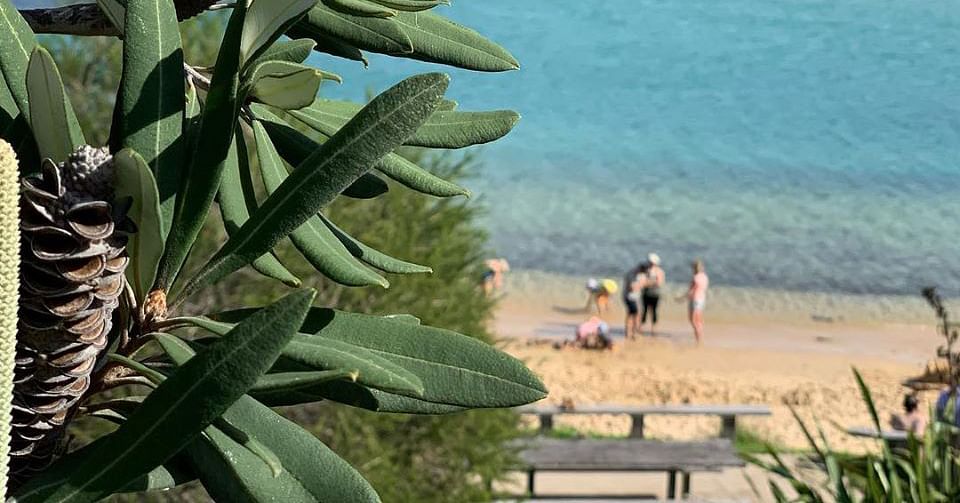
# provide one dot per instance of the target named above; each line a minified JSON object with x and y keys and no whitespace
{"x":761,"y":347}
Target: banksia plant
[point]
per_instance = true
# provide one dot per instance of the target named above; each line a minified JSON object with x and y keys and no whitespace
{"x":72,"y":276}
{"x":105,"y":326}
{"x":9,"y":289}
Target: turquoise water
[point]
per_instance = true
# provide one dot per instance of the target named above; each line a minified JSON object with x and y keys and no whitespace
{"x":801,"y":144}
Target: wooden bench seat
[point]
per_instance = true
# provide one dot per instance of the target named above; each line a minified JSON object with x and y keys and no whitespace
{"x":727,"y":414}
{"x":578,"y":455}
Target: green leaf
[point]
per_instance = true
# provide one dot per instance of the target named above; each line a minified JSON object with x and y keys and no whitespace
{"x":294,"y":147}
{"x":381,"y":126}
{"x":115,"y":12}
{"x":171,"y":416}
{"x":331,"y":45}
{"x":202,"y":177}
{"x":374,"y":257}
{"x":132,"y":178}
{"x":19,"y":43}
{"x":438,"y":40}
{"x":285,"y":85}
{"x":320,"y":353}
{"x":310,"y":472}
{"x":167,"y":476}
{"x":151,"y":95}
{"x":455,"y":369}
{"x":293,"y":51}
{"x":414,"y":177}
{"x":266,"y":21}
{"x":312,"y":239}
{"x":444,"y":129}
{"x":291,"y":381}
{"x":397,"y":167}
{"x":371,"y":34}
{"x":360,"y":8}
{"x":233,"y":210}
{"x":411,"y":5}
{"x":50,"y":110}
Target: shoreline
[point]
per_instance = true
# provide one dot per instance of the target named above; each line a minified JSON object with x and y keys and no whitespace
{"x":760,"y":347}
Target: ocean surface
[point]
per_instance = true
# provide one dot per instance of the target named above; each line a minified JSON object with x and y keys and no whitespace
{"x":808,"y":145}
{"x":805,"y":145}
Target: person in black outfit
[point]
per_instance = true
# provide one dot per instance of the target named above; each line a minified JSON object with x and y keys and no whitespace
{"x":651,"y":292}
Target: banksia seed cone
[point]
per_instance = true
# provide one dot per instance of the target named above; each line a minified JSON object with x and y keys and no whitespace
{"x":73,"y":260}
{"x":9,"y":285}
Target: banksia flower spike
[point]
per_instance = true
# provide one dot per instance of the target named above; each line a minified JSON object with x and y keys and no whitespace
{"x":73,"y":260}
{"x":9,"y":285}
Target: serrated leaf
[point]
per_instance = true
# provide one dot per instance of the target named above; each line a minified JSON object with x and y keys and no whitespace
{"x":231,"y":473}
{"x":285,"y":85}
{"x":233,"y":210}
{"x":371,"y":34}
{"x":133,"y":179}
{"x":312,"y":239}
{"x":50,"y":110}
{"x":372,"y":256}
{"x":438,"y":40}
{"x":115,"y":12}
{"x":411,"y":5}
{"x":294,"y":147}
{"x":360,"y":8}
{"x":455,"y":369}
{"x":381,"y":126}
{"x":202,"y":177}
{"x":293,"y":51}
{"x":151,"y":93}
{"x":19,"y":42}
{"x":173,"y":414}
{"x":319,"y":353}
{"x":444,"y":129}
{"x":266,"y":21}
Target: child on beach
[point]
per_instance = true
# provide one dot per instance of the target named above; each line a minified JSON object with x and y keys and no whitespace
{"x":696,"y":297}
{"x":632,"y":287}
{"x":911,"y":420}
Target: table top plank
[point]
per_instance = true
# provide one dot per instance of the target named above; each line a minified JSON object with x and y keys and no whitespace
{"x":681,"y":409}
{"x":628,"y":454}
{"x":871,"y":432}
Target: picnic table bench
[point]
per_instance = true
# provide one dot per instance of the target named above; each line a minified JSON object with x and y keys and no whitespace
{"x":896,"y":438}
{"x":727,"y":413}
{"x":617,"y":455}
{"x":635,"y":453}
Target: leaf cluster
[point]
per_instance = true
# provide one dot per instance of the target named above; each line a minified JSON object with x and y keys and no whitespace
{"x":187,"y":140}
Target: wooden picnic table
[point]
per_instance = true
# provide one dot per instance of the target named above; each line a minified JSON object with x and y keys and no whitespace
{"x":605,"y":455}
{"x":727,"y":413}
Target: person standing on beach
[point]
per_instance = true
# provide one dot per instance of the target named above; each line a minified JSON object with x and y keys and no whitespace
{"x":651,"y":292}
{"x":697,"y":298}
{"x":632,"y":287}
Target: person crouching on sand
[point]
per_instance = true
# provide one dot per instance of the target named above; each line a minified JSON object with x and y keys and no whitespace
{"x":696,"y":297}
{"x":591,"y":334}
{"x":598,"y":292}
{"x":912,"y":420}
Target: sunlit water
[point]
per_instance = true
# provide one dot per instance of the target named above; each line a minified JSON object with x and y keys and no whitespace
{"x":807,"y":145}
{"x":798,"y":144}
